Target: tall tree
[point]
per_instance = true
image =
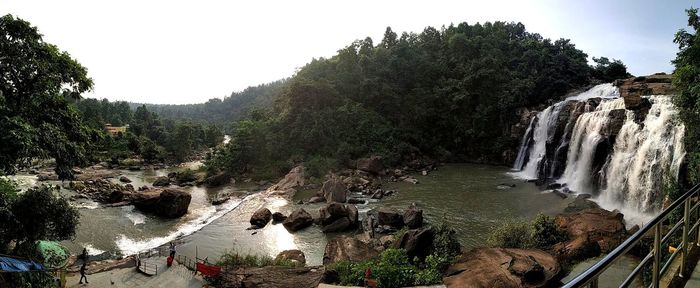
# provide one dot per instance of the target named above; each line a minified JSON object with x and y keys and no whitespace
{"x":35,"y":119}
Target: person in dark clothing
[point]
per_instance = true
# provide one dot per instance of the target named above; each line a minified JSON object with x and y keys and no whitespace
{"x":82,"y":274}
{"x":84,"y":256}
{"x":172,"y":250}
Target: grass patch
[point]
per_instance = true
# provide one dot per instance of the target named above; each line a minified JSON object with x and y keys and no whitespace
{"x":234,"y":259}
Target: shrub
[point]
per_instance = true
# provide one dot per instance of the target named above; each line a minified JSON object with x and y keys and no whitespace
{"x":445,"y":244}
{"x":185,"y":175}
{"x":318,"y":166}
{"x":545,"y":232}
{"x":235,"y":259}
{"x":512,"y":234}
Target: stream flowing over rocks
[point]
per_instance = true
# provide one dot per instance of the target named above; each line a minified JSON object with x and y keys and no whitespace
{"x":620,"y":144}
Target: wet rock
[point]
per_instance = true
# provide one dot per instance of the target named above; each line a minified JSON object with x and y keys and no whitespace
{"x":501,"y":267}
{"x":348,"y":248}
{"x":278,"y":217}
{"x":561,"y":195}
{"x":169,"y":203}
{"x":134,"y":168}
{"x":356,"y":201}
{"x":390,"y":217}
{"x":372,"y":164}
{"x":413,"y":217}
{"x":288,"y":185}
{"x":424,"y":173}
{"x":595,"y":225}
{"x":299,"y":219}
{"x":580,"y":203}
{"x":217,"y":180}
{"x":409,"y":179}
{"x":378,"y":194}
{"x":296,"y":256}
{"x":334,"y":190}
{"x":220,"y":201}
{"x":338,"y":225}
{"x":416,"y":242}
{"x":123,"y":179}
{"x":47,"y":176}
{"x":552,"y":186}
{"x":317,"y":199}
{"x":261,"y":217}
{"x":161,"y":181}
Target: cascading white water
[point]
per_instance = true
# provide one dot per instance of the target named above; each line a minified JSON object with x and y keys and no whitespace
{"x":587,"y":133}
{"x":645,"y":156}
{"x":638,"y":151}
{"x":524,"y":144}
{"x":546,"y":120}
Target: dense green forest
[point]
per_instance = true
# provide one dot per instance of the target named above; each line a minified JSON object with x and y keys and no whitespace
{"x":686,"y":80}
{"x":154,"y":138}
{"x":449,"y":94}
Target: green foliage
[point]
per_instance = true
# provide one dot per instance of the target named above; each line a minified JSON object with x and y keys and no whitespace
{"x":318,"y":166}
{"x":36,"y":214}
{"x":546,"y":233}
{"x":437,"y":93}
{"x":234,"y":259}
{"x":608,"y":71}
{"x":392,"y":269}
{"x":511,"y":234}
{"x":445,"y":245}
{"x":539,"y":233}
{"x":686,"y":80}
{"x":35,"y":119}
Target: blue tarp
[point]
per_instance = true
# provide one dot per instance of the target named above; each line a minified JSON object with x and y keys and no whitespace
{"x":15,"y":265}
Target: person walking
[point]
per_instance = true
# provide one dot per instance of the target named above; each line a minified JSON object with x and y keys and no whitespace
{"x":172,"y":250}
{"x":84,"y":256}
{"x":82,"y":274}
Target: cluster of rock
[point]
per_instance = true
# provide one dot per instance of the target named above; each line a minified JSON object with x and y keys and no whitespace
{"x":632,"y":89}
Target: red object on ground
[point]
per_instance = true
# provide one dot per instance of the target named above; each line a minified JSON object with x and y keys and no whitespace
{"x":208,"y":270}
{"x":170,"y":261}
{"x":368,"y":273}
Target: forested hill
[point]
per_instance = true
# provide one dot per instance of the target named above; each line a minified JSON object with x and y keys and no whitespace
{"x":221,"y":112}
{"x":448,"y":93}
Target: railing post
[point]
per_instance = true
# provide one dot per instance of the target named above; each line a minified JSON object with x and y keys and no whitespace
{"x":684,"y":241}
{"x":657,"y":256}
{"x":594,"y":283}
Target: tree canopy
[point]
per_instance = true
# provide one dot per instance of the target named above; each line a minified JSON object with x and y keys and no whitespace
{"x":449,"y":93}
{"x":36,"y":120}
{"x":686,"y":80}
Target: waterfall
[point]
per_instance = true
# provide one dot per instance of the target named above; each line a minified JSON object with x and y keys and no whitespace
{"x":590,"y":129}
{"x":524,"y":144}
{"x":592,"y":144}
{"x":645,"y":156}
{"x":547,"y":121}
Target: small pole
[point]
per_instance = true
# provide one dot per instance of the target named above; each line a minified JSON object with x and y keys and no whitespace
{"x":594,"y":283}
{"x":684,"y":241}
{"x":657,"y":256}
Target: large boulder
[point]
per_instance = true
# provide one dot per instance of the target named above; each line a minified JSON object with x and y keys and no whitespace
{"x":124,"y":179}
{"x":261,"y":217}
{"x":372,"y":164}
{"x":295,"y":256}
{"x":632,"y":89}
{"x":348,"y":248}
{"x":413,"y":217}
{"x":390,"y":217}
{"x":161,"y":181}
{"x":334,"y":190}
{"x":416,"y":242}
{"x":288,"y":185}
{"x":335,"y":217}
{"x":299,"y":219}
{"x":590,"y":230}
{"x":217,"y":180}
{"x":169,"y":203}
{"x":278,"y":217}
{"x":502,"y":267}
{"x":272,"y":277}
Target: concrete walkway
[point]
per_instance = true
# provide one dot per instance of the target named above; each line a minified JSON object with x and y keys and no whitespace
{"x":694,"y":280}
{"x":175,"y":276}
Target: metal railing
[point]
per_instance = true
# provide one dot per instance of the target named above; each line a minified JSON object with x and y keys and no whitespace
{"x":662,"y":235}
{"x":148,"y":268}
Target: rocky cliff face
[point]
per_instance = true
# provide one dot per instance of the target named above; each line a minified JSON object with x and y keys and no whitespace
{"x":632,"y":89}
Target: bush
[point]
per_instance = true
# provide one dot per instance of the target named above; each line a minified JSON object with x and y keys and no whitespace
{"x":234,"y":259}
{"x":511,"y":234}
{"x":445,"y":244}
{"x":539,"y":233}
{"x":391,"y":269}
{"x":185,"y":175}
{"x":318,"y":166}
{"x":545,"y":232}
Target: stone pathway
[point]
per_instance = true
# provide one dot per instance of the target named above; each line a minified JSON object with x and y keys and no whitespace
{"x":694,"y":280}
{"x":175,"y":276}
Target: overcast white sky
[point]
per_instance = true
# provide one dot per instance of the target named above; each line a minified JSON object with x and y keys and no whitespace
{"x":191,"y":51}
